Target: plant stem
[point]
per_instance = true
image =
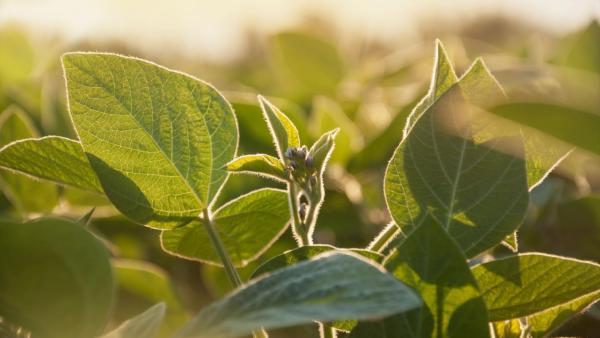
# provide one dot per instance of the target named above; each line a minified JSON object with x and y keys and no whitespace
{"x":327,"y":331}
{"x":300,"y":231}
{"x":382,"y":240}
{"x":232,"y":274}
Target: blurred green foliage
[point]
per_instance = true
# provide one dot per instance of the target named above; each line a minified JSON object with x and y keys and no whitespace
{"x":367,"y":88}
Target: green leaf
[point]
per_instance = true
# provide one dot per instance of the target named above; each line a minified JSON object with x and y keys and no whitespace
{"x":284,"y":132}
{"x":329,"y":287}
{"x":25,"y":194}
{"x":431,"y":263}
{"x":570,"y":125}
{"x":307,"y":252}
{"x":158,"y":139}
{"x":52,"y":158}
{"x":443,"y":78}
{"x":477,"y":190}
{"x":259,"y":164}
{"x":507,"y":329}
{"x":543,"y":323}
{"x":306,"y":64}
{"x":55,"y":277}
{"x":521,"y":285}
{"x":322,"y":149}
{"x":247,"y":225}
{"x":151,"y":284}
{"x":144,"y":325}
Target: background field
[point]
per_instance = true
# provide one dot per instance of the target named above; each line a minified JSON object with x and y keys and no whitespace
{"x":360,"y":68}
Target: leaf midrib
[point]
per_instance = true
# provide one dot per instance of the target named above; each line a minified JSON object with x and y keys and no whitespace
{"x":151,"y":136}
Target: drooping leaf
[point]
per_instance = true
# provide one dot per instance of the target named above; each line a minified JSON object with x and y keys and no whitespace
{"x":307,"y":252}
{"x":23,"y":192}
{"x":151,"y":284}
{"x":431,"y":263}
{"x":284,"y":132}
{"x":247,"y":225}
{"x":521,"y":285}
{"x":306,"y":64}
{"x":158,"y":139}
{"x":543,"y":323}
{"x":330,"y":287}
{"x":259,"y":164}
{"x":52,"y":158}
{"x":477,"y":190}
{"x":144,"y":325}
{"x":55,"y":279}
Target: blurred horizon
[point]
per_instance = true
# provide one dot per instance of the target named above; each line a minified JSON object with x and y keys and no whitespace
{"x":221,"y":31}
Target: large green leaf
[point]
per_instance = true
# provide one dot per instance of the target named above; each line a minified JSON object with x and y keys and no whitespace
{"x":157,"y":139}
{"x":284,"y":132}
{"x":431,"y":263}
{"x":543,"y":323}
{"x":307,"y":252}
{"x":144,"y":325}
{"x":247,"y":226}
{"x":25,"y":194}
{"x":477,"y":190}
{"x":521,"y":285}
{"x":330,"y":287}
{"x":52,"y":158}
{"x":55,"y":279}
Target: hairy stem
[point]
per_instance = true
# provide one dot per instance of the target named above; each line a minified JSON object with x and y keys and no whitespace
{"x":300,"y":231}
{"x":232,"y":273}
{"x":382,"y":240}
{"x":327,"y":331}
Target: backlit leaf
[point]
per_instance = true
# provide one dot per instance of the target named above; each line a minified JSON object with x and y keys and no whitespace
{"x":258,"y":164}
{"x":521,"y":285}
{"x":284,"y":132}
{"x":432,"y":264}
{"x":247,"y":225}
{"x":157,"y":139}
{"x":52,"y":158}
{"x":477,"y":191}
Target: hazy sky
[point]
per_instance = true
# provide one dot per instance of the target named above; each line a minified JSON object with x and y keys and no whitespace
{"x":214,"y":28}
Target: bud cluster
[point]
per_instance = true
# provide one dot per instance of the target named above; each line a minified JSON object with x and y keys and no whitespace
{"x":300,"y":166}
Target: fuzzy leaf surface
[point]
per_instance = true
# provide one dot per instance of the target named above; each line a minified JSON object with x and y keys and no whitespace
{"x":329,"y":287}
{"x":521,"y":285}
{"x":158,"y":139}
